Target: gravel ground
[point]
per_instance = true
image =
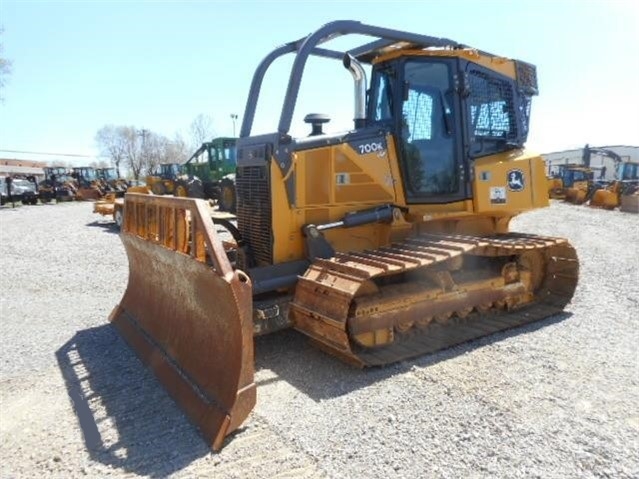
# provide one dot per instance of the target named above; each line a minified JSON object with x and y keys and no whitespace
{"x":556,"y":399}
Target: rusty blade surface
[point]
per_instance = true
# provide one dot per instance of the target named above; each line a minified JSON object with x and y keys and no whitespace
{"x":189,"y":320}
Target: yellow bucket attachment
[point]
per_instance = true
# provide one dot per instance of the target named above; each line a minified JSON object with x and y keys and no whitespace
{"x":86,"y":194}
{"x":186,"y":312}
{"x":605,"y":198}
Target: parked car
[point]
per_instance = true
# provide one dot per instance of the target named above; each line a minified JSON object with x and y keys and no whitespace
{"x":21,"y":190}
{"x":3,"y":191}
{"x":27,"y":191}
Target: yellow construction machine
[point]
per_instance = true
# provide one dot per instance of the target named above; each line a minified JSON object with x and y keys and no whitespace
{"x":113,"y":204}
{"x":623,"y":189}
{"x":89,"y":186}
{"x":111,"y":182}
{"x":380,"y":243}
{"x":571,"y":182}
{"x":169,"y":179}
{"x":578,"y":183}
{"x":163,"y":180}
{"x":57,"y":185}
{"x":556,"y":187}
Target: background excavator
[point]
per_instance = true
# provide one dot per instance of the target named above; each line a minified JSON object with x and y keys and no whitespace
{"x":581,"y":184}
{"x":380,"y":243}
{"x":623,"y":188}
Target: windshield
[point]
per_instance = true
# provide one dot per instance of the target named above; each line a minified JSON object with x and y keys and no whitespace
{"x":170,"y":170}
{"x":492,"y":108}
{"x":23,"y":184}
{"x":60,"y":173}
{"x":86,"y":173}
{"x":107,"y":174}
{"x":427,"y":144}
{"x":630,"y":171}
{"x":229,"y":155}
{"x":383,"y":106}
{"x":570,"y":176}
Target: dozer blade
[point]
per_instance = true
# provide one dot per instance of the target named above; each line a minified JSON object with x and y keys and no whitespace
{"x":186,"y":312}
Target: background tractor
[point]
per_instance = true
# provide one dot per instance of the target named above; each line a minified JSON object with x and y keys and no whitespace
{"x":88,"y":186}
{"x":111,"y":182}
{"x":214,"y":162}
{"x":577,"y":183}
{"x":623,"y":189}
{"x":170,"y":179}
{"x":57,"y":185}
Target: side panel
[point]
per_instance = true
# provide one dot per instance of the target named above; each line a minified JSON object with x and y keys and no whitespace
{"x":330,"y":182}
{"x":509,"y":183}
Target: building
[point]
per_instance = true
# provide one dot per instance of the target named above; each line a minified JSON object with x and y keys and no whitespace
{"x":13,"y":167}
{"x":597,"y":160}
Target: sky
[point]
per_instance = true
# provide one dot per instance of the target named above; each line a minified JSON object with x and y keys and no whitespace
{"x":81,"y":65}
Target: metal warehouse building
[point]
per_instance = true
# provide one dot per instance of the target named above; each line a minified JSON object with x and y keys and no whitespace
{"x":597,"y":160}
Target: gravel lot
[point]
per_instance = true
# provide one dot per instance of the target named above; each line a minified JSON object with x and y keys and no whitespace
{"x":556,"y":399}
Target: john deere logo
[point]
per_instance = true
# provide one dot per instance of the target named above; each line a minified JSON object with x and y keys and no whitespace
{"x":515,"y":180}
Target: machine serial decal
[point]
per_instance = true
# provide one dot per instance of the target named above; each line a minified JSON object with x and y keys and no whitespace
{"x":370,"y":146}
{"x":498,"y":194}
{"x":516,"y":180}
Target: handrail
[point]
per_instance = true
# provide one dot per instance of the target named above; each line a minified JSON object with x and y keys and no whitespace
{"x":307,"y":46}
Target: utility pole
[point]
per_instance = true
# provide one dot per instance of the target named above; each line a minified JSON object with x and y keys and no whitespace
{"x":143,"y":133}
{"x":233,"y":118}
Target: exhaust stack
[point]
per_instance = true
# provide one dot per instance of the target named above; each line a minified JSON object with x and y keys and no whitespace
{"x":359,"y":76}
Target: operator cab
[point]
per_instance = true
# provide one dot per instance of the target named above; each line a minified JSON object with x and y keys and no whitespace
{"x":570,"y":176}
{"x":445,"y":112}
{"x":169,"y":170}
{"x":107,"y":174}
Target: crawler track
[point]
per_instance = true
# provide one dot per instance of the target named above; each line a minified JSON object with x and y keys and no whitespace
{"x":431,"y":292}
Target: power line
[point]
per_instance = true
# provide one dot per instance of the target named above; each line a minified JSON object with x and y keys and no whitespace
{"x":50,"y":154}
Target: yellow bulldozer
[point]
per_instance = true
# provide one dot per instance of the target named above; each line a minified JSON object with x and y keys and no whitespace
{"x":381,"y":243}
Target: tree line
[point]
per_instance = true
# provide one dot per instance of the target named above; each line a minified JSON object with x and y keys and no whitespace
{"x":138,"y":151}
